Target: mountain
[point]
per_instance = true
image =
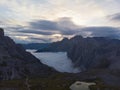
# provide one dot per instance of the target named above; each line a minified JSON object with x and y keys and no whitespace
{"x":89,"y":53}
{"x":59,"y":46}
{"x":96,"y":52}
{"x":16,"y":63}
{"x":98,"y":58}
{"x":35,"y":45}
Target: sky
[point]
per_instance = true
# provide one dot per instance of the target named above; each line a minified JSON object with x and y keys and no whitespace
{"x":41,"y":21}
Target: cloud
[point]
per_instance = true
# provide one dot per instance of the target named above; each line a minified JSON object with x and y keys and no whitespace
{"x":62,"y":26}
{"x":49,"y":31}
{"x":18,"y":12}
{"x":65,"y":26}
{"x":57,"y":61}
{"x":41,"y":39}
{"x":114,"y":17}
{"x":44,"y":24}
{"x":103,"y":32}
{"x":54,"y":19}
{"x":41,"y":32}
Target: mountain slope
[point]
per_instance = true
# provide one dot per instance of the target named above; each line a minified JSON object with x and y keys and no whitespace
{"x":97,"y":52}
{"x":16,"y":63}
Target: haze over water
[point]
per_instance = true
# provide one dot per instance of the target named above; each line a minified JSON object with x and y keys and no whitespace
{"x":57,"y":60}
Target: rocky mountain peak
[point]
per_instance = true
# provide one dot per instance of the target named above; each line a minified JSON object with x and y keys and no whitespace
{"x":65,"y":39}
{"x":78,"y":37}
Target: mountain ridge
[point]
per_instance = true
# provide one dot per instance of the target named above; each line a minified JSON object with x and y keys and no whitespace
{"x":16,"y":63}
{"x":90,"y":52}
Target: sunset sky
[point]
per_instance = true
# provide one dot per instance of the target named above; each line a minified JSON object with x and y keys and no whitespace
{"x":43,"y":21}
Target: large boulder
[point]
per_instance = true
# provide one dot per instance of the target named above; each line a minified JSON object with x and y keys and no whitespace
{"x":81,"y":85}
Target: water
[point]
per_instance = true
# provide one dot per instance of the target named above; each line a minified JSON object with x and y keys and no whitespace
{"x":57,"y":60}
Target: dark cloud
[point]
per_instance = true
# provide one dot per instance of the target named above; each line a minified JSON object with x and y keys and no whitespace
{"x":103,"y":31}
{"x":44,"y":25}
{"x":36,"y":32}
{"x":41,"y":39}
{"x":62,"y":26}
{"x":114,"y":17}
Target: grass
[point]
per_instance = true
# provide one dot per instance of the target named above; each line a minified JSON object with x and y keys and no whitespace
{"x":56,"y":82}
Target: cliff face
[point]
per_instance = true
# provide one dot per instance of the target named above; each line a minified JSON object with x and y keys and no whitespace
{"x":97,"y":52}
{"x":16,"y":63}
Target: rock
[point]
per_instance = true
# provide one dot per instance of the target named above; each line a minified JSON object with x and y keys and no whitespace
{"x":81,"y":85}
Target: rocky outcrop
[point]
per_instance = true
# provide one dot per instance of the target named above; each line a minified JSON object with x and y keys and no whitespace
{"x":16,"y":63}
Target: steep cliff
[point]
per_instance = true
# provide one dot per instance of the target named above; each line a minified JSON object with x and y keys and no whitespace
{"x":16,"y":63}
{"x":96,"y":52}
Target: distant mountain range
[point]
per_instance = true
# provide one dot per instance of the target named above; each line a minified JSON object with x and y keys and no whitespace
{"x":16,"y":63}
{"x":36,"y":45}
{"x":88,"y":53}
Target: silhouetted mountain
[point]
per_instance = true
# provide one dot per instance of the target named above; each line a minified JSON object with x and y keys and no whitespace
{"x":35,"y":45}
{"x":59,"y":46}
{"x":16,"y":63}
